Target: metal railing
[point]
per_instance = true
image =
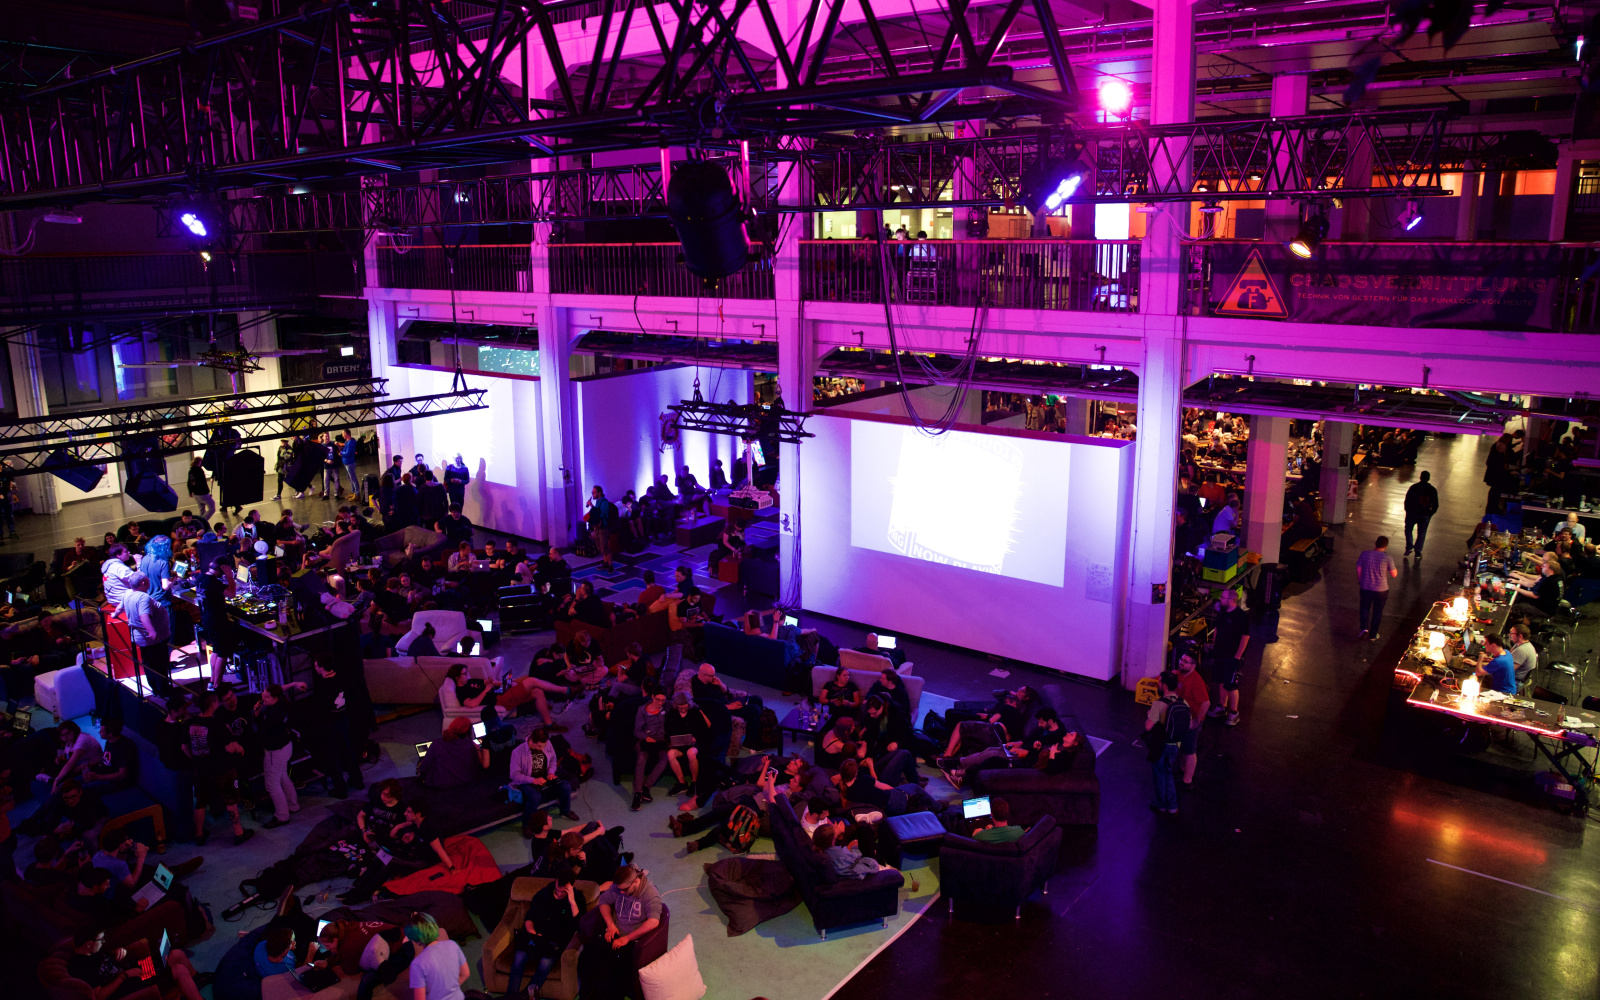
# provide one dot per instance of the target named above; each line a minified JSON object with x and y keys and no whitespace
{"x":1083,"y":275}
{"x":647,"y":269}
{"x":42,"y":286}
{"x":494,"y":268}
{"x":1573,"y":268}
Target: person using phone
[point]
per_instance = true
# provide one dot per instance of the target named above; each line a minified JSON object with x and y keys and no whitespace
{"x":551,"y":921}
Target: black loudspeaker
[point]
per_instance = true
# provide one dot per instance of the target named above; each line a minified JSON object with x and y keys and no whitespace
{"x":152,"y":493}
{"x":206,"y":553}
{"x":220,"y":444}
{"x":708,"y":218}
{"x":84,"y":477}
{"x":141,"y":457}
{"x":306,"y":465}
{"x":243,"y":477}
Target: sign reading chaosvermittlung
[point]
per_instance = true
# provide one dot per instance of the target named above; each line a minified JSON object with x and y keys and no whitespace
{"x":1495,"y":287}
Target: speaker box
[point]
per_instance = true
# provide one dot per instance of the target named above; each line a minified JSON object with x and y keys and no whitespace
{"x":709,"y":220}
{"x":306,"y":465}
{"x":243,"y":479}
{"x":152,"y":493}
{"x":142,"y":458}
{"x":84,"y":477}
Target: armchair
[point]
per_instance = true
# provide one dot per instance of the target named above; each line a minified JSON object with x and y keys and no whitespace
{"x":449,"y":628}
{"x":494,"y":968}
{"x":999,"y":874}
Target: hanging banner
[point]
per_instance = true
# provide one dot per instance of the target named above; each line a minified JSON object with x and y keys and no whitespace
{"x":1470,"y":287}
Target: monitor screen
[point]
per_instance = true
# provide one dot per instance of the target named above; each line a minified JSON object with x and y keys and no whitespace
{"x":475,"y":649}
{"x":977,"y":808}
{"x":480,"y":730}
{"x":791,"y":620}
{"x":485,"y":625}
{"x":322,"y":925}
{"x":277,"y":550}
{"x":181,"y":568}
{"x":887,"y":641}
{"x":162,"y":877}
{"x":242,"y":573}
{"x":422,"y":748}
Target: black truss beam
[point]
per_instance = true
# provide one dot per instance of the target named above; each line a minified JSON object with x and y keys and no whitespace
{"x":741,"y":420}
{"x":99,"y":437}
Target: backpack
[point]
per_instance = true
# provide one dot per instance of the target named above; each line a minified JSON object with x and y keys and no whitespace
{"x":740,"y":831}
{"x":605,"y":515}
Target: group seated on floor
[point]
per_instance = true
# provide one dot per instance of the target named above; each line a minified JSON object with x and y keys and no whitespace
{"x":841,"y":821}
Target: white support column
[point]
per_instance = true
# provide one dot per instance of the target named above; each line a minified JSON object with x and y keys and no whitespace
{"x":1263,"y":485}
{"x":1561,"y":204}
{"x":1337,"y":439}
{"x":1467,"y":210}
{"x":558,"y":449}
{"x":260,"y":331}
{"x":38,"y":491}
{"x":796,"y":372}
{"x":1162,"y":306}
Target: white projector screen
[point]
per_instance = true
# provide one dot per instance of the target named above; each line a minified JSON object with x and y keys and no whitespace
{"x":983,"y":502}
{"x":1011,"y":543}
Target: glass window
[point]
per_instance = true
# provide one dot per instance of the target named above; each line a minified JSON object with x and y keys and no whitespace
{"x":130,"y":354}
{"x":69,"y":366}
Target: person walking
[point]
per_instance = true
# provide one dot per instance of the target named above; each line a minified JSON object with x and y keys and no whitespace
{"x":1227,"y":655}
{"x":200,"y":489}
{"x":347,"y":457}
{"x":9,"y":498}
{"x":1165,"y":726}
{"x":1197,"y":698}
{"x":456,"y":478}
{"x":330,"y":709}
{"x":285,"y":455}
{"x":1422,"y":501}
{"x":277,"y":745}
{"x":602,"y":518}
{"x":1373,"y":570}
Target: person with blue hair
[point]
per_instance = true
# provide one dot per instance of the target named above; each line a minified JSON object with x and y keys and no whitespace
{"x":440,"y":967}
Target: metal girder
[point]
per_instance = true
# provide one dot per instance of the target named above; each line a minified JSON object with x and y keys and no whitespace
{"x":349,"y":87}
{"x":741,"y":420}
{"x":98,"y":437}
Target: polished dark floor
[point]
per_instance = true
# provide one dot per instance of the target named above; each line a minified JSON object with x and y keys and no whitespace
{"x":1316,"y":857}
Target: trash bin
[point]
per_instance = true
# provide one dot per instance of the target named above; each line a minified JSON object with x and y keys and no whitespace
{"x":1269,"y":585}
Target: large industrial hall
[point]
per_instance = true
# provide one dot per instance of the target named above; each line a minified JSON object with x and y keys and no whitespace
{"x":799,"y":499}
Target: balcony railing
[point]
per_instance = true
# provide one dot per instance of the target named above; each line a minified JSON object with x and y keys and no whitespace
{"x":647,"y":269}
{"x":494,"y":268}
{"x":62,"y":286}
{"x":1083,"y":275}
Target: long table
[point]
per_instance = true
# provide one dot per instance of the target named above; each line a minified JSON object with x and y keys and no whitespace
{"x":1562,"y":733}
{"x":285,"y":638}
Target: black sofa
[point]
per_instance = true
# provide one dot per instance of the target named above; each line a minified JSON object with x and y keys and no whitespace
{"x":1072,"y":798}
{"x":999,"y":876}
{"x":833,"y":902}
{"x":467,"y":809}
{"x":755,"y":658}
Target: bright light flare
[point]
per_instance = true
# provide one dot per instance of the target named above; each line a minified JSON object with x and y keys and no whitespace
{"x":1065,"y":190}
{"x":1116,"y":97}
{"x":193,"y":223}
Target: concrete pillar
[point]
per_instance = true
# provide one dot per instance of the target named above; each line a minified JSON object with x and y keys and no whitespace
{"x":1264,"y":479}
{"x":1076,"y":414}
{"x":1291,"y":95}
{"x":1337,"y":439}
{"x":559,"y":447}
{"x":38,"y":491}
{"x":796,"y":375}
{"x":1161,"y":371}
{"x":1488,"y":205}
{"x":1561,"y":204}
{"x":1467,"y":210}
{"x":260,"y":331}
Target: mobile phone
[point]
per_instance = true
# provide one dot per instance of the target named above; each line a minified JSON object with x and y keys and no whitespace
{"x":772,"y":772}
{"x":436,"y":876}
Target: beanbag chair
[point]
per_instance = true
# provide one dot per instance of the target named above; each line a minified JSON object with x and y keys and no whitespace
{"x":749,"y":891}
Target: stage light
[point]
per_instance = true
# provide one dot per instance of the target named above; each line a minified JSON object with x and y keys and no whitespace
{"x":192,"y":222}
{"x":1116,"y":97}
{"x":62,"y":217}
{"x":1050,"y":184}
{"x":205,"y":255}
{"x":1312,"y":232}
{"x":347,"y":351}
{"x":1411,"y":218}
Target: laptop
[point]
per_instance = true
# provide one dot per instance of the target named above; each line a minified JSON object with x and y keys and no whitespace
{"x":791,"y":620}
{"x":422,"y":748}
{"x":180,"y":568}
{"x":977,"y":808}
{"x":242,"y":574}
{"x":152,"y":891}
{"x":322,"y":925}
{"x":887,"y":641}
{"x":150,"y":965}
{"x":480,"y":730}
{"x":485,"y":625}
{"x":277,"y":551}
{"x":681,"y":740}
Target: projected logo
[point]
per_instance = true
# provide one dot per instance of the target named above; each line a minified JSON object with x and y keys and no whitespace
{"x":956,"y":500}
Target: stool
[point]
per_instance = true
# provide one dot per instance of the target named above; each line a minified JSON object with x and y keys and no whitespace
{"x":65,"y":693}
{"x":921,"y":829}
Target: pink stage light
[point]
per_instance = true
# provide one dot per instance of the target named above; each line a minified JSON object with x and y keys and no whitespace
{"x":1116,"y":97}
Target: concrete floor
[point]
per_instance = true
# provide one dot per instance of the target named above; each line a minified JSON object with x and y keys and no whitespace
{"x":1317,"y":856}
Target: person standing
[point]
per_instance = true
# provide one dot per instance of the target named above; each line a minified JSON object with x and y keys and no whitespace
{"x":456,"y":478}
{"x":213,"y":754}
{"x":277,"y":746}
{"x":330,"y":708}
{"x":281,"y":466}
{"x":440,"y":967}
{"x":602,"y":518}
{"x":1227,"y":654}
{"x":421,"y":472}
{"x":151,"y":629}
{"x":217,"y":628}
{"x":1373,"y":570}
{"x":200,"y":489}
{"x":8,"y":498}
{"x":347,"y":457}
{"x":387,"y":483}
{"x":1422,"y":501}
{"x":1197,"y":698}
{"x":330,"y":466}
{"x":1171,"y":714}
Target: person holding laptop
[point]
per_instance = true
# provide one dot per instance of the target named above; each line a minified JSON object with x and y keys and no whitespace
{"x":110,"y":975}
{"x":997,"y":827}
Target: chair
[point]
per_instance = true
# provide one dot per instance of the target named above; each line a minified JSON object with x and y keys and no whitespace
{"x":494,"y":967}
{"x":971,"y":871}
{"x":492,"y":671}
{"x":344,"y":550}
{"x":65,"y":692}
{"x":449,"y":628}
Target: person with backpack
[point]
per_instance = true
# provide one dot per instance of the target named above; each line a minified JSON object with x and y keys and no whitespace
{"x":602,"y":519}
{"x":1165,"y":727}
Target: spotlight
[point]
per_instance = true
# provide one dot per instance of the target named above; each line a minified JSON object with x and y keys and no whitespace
{"x":205,"y":255}
{"x":1411,"y":218}
{"x":192,"y":222}
{"x":1116,"y":97}
{"x":1312,"y":232}
{"x":1050,"y":184}
{"x":347,"y":351}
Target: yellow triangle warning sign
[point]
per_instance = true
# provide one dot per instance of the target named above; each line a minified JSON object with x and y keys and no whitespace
{"x":1253,"y":293}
